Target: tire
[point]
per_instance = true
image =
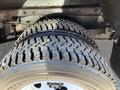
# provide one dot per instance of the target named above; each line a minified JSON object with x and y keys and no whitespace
{"x":54,"y":56}
{"x":54,"y":25}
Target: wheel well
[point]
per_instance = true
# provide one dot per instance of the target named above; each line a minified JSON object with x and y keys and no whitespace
{"x":59,"y":15}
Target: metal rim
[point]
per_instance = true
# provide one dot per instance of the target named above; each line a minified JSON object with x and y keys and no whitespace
{"x":57,"y":85}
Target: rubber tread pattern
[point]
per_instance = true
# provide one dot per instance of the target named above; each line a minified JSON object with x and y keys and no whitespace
{"x":56,"y":24}
{"x":53,"y":47}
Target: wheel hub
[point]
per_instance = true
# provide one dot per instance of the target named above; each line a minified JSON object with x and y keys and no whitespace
{"x":52,"y":85}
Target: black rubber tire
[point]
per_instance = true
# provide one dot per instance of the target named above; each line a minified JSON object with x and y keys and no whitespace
{"x":58,"y":50}
{"x":54,"y":25}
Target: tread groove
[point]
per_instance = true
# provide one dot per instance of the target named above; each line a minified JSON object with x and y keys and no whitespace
{"x":50,"y":53}
{"x":28,"y":41}
{"x":65,"y":39}
{"x":31,"y":31}
{"x":16,"y":58}
{"x":85,"y":58}
{"x":41,"y":28}
{"x":36,"y":28}
{"x":42,"y":39}
{"x":35,"y":40}
{"x":32,"y":54}
{"x":52,"y":25}
{"x":49,"y":38}
{"x":70,"y":57}
{"x":10,"y":60}
{"x":41,"y":54}
{"x":78,"y":60}
{"x":60,"y":53}
{"x":46,"y":27}
{"x":24,"y":56}
{"x":57,"y":38}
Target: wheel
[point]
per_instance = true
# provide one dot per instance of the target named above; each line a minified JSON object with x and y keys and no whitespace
{"x":55,"y":60}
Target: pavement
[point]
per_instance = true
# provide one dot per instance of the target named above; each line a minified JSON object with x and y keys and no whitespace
{"x":5,"y":48}
{"x":106,"y":47}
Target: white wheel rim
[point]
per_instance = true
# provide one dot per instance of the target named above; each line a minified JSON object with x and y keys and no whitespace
{"x":52,"y":85}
